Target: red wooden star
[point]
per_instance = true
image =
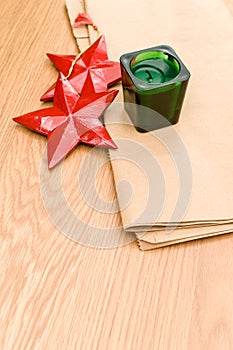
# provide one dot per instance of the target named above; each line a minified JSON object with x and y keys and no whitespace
{"x":72,"y":119}
{"x":81,"y":19}
{"x":103,"y":72}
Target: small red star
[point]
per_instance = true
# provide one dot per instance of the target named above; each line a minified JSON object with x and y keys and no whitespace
{"x":95,"y":60}
{"x":81,"y":19}
{"x":72,"y":119}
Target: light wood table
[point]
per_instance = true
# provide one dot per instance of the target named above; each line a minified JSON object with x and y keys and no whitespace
{"x":57,"y":294}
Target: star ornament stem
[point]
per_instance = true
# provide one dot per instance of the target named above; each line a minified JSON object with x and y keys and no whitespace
{"x":94,"y":60}
{"x":73,"y":119}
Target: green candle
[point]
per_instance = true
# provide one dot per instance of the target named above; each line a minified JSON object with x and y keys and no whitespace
{"x":148,"y":73}
{"x":154,"y":67}
{"x":157,"y":79}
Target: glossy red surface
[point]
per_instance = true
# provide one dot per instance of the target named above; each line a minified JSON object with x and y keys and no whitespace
{"x":72,"y":119}
{"x":94,"y":60}
{"x":81,"y":19}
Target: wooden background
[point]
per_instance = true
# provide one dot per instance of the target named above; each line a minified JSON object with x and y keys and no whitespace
{"x":57,"y":294}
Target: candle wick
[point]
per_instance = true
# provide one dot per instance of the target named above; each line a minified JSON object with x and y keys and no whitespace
{"x":149,"y":73}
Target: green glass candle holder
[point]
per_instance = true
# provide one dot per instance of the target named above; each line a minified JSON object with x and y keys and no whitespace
{"x":154,"y":78}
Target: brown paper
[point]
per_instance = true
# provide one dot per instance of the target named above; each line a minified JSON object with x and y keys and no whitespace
{"x":201,"y":33}
{"x":81,"y":33}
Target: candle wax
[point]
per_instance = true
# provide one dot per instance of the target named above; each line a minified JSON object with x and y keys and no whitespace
{"x":154,"y":71}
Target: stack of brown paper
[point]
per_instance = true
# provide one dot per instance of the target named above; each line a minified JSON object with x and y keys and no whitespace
{"x":175,"y":184}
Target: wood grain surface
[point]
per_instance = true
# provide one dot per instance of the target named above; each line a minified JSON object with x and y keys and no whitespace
{"x":58,"y":294}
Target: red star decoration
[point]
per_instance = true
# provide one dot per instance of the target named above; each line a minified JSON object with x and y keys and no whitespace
{"x":94,"y":60}
{"x":72,"y":119}
{"x":81,"y":19}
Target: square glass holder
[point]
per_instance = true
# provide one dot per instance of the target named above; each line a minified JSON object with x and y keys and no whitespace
{"x":154,"y":83}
